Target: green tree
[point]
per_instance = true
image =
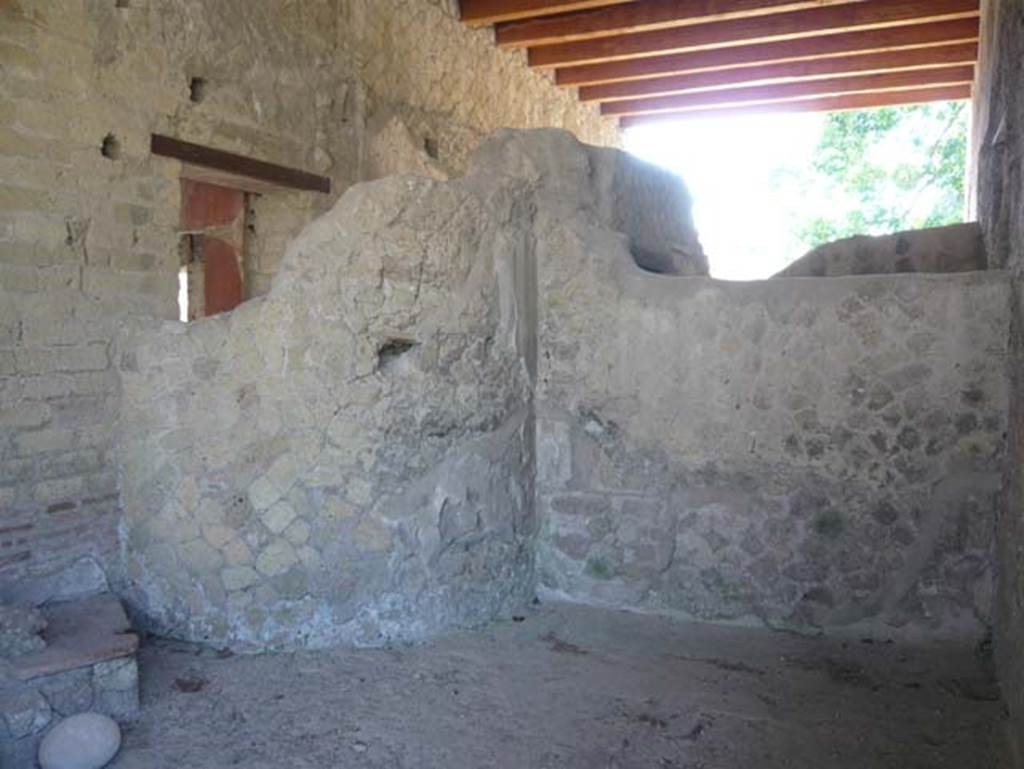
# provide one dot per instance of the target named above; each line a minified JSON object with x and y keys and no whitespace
{"x":886,"y":170}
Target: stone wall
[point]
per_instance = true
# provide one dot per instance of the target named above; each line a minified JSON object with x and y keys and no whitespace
{"x":954,"y":248}
{"x":86,"y":664}
{"x":351,"y":89}
{"x":349,"y":459}
{"x":110,"y":688}
{"x":999,"y":190}
{"x":809,"y":454}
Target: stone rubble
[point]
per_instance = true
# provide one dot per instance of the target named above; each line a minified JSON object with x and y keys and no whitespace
{"x":87,"y":665}
{"x":20,"y":628}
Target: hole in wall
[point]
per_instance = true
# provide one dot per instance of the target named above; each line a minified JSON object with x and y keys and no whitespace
{"x":652,"y":261}
{"x":389,"y":353}
{"x":110,"y":147}
{"x":430,"y":147}
{"x":196,"y":89}
{"x":122,"y":4}
{"x":250,"y":219}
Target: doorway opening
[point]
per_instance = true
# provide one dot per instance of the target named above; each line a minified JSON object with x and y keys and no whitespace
{"x":211,"y":278}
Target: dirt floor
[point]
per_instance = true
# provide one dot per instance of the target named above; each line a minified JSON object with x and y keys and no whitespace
{"x":570,"y":686}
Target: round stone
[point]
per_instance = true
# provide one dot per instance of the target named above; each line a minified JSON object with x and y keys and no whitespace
{"x":85,"y":741}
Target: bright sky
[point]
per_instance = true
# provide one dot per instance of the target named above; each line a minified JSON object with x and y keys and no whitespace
{"x":728,"y":165}
{"x":748,"y":177}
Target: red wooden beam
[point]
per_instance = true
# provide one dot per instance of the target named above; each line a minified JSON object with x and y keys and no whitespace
{"x":822,"y":104}
{"x":887,"y":81}
{"x":639,"y":17}
{"x":884,"y":61}
{"x":478,"y":13}
{"x":782,"y":26}
{"x":891,"y":38}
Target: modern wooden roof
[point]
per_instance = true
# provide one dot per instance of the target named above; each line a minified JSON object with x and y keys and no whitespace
{"x":647,"y":60}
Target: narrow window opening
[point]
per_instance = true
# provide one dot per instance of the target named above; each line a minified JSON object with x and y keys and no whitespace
{"x":183,"y":294}
{"x":190,"y":277}
{"x":211,"y":278}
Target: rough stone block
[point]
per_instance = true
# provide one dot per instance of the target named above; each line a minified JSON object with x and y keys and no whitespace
{"x":279,"y":516}
{"x":116,"y":685}
{"x":276,"y":558}
{"x":68,"y":693}
{"x":24,"y":710}
{"x":239,"y":577}
{"x":84,"y":741}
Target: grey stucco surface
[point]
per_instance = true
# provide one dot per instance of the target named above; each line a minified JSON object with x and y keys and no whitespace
{"x":810,"y":453}
{"x":349,"y":459}
{"x":459,"y":391}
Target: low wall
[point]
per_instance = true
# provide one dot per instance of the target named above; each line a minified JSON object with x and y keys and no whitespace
{"x":349,"y":459}
{"x":453,"y":387}
{"x":807,"y":453}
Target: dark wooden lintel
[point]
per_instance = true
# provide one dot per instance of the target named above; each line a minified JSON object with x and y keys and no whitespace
{"x":240,"y":165}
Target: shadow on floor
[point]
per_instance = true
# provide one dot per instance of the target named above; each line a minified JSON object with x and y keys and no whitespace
{"x":571,"y":686}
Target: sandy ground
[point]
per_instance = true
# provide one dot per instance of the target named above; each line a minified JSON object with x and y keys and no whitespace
{"x":570,"y":686}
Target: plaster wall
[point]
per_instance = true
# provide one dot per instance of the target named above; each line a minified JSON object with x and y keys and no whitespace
{"x":809,"y":453}
{"x":349,"y":459}
{"x":351,"y":89}
{"x":352,"y":458}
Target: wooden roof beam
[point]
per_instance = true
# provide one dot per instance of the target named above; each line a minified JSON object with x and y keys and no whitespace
{"x":856,"y":64}
{"x":639,"y":17}
{"x":887,"y":81}
{"x":838,"y":103}
{"x":782,"y":26}
{"x":891,"y":38}
{"x":480,"y":13}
